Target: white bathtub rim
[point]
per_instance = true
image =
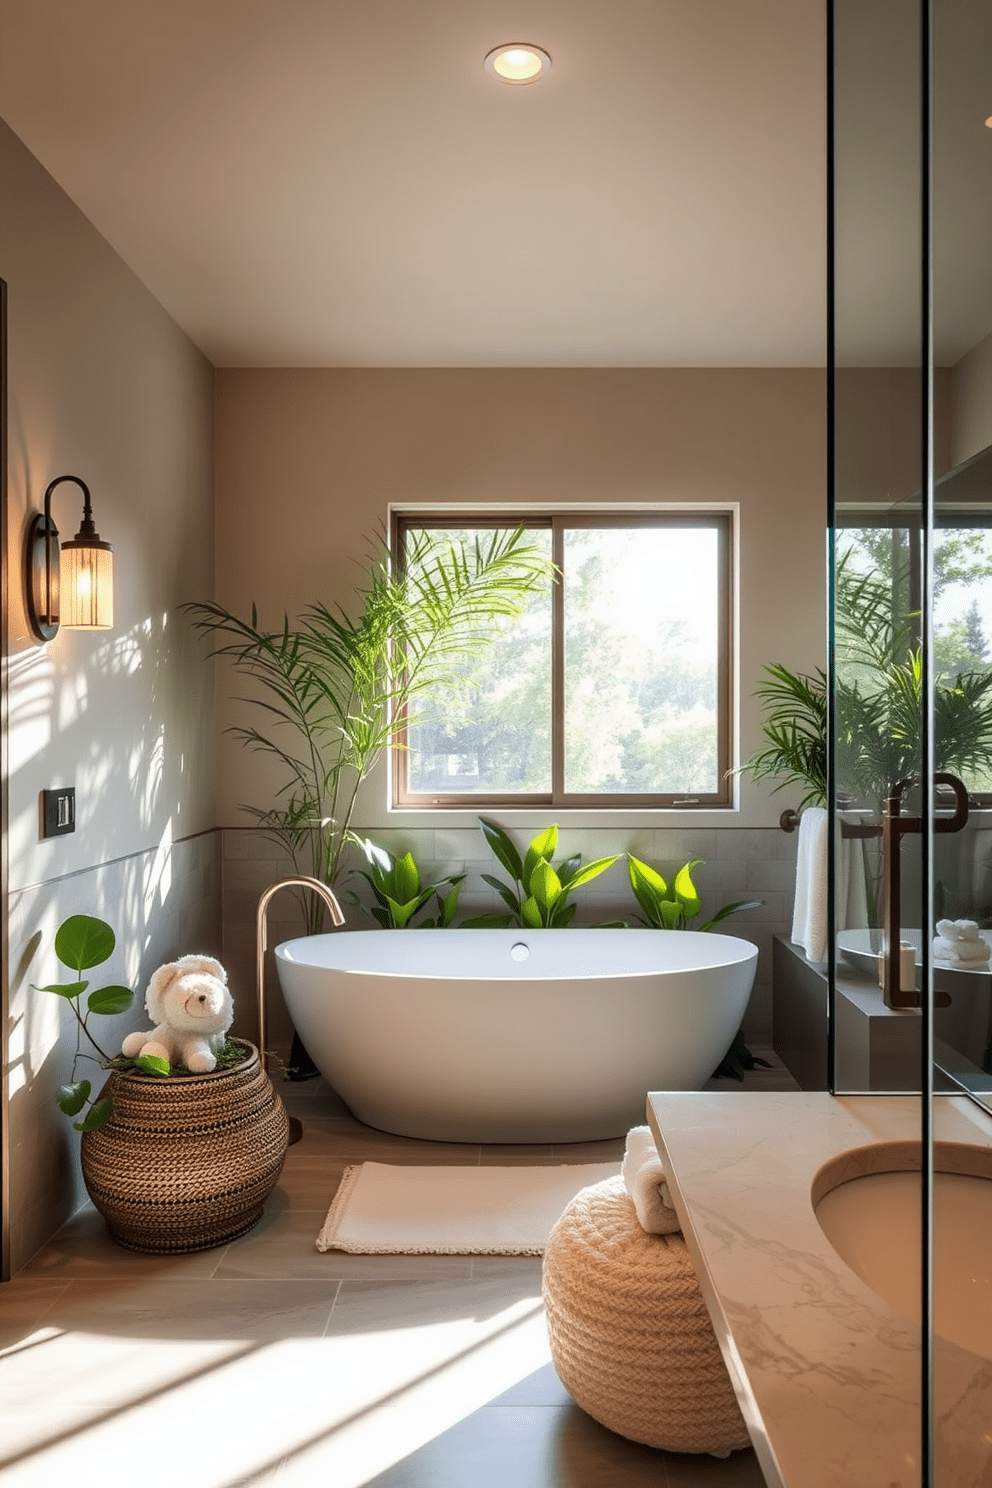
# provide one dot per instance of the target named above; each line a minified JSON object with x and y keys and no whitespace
{"x":329,"y":950}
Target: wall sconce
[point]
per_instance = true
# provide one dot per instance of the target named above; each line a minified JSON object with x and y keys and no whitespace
{"x":71,"y":584}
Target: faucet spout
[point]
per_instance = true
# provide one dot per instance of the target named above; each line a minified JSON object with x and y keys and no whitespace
{"x":295,"y":881}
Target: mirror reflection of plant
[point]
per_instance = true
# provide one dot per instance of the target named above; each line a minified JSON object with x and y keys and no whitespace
{"x":539,"y":895}
{"x":336,"y":690}
{"x":880,"y":696}
{"x":400,"y":894}
{"x":82,"y":942}
{"x":878,"y":706}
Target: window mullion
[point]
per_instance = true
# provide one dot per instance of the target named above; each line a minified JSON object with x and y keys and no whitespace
{"x":558,"y":661}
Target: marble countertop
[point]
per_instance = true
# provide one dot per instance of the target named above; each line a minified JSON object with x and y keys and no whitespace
{"x":826,"y":1371}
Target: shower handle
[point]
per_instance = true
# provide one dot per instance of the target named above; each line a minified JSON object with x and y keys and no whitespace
{"x":894,"y":827}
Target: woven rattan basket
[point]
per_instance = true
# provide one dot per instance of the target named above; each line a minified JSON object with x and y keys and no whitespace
{"x":186,"y":1162}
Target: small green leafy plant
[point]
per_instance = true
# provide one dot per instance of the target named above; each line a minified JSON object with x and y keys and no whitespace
{"x":539,"y":896}
{"x":400,"y":894}
{"x":82,"y":942}
{"x":671,"y":906}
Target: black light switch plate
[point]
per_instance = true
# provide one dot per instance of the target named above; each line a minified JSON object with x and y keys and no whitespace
{"x":58,"y":811}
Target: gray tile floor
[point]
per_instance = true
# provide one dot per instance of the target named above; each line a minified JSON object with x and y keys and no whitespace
{"x":265,"y":1362}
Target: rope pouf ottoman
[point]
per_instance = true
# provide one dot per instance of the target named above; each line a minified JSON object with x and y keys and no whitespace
{"x":631,"y":1338}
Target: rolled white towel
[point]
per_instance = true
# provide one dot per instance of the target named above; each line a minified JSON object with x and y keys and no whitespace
{"x":961,"y":953}
{"x":647,"y":1184}
{"x":965,"y":931}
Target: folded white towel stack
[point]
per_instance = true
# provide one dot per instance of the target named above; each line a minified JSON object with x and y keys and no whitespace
{"x":959,"y":943}
{"x":647,"y":1183}
{"x":809,"y":918}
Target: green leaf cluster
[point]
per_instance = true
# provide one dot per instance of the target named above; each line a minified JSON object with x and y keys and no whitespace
{"x":335,"y":690}
{"x":398,"y":893}
{"x":671,"y":906}
{"x":539,"y":894}
{"x":82,"y":942}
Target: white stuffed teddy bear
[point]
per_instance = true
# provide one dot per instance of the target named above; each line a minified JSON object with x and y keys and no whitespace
{"x":189,"y":1001}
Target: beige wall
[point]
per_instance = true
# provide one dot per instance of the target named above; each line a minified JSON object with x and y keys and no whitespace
{"x":102,"y":385}
{"x":309,"y":461}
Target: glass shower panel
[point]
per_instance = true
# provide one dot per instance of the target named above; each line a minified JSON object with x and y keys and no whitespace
{"x":877,"y":524}
{"x":961,"y":193}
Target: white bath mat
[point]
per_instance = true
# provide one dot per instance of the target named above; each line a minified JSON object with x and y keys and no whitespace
{"x":384,"y":1210}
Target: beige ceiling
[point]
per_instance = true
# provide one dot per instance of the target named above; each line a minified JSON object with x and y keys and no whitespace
{"x":338,"y":182}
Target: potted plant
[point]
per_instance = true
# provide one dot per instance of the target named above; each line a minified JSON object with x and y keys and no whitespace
{"x":337,"y":689}
{"x":174,"y":1161}
{"x":671,"y":906}
{"x":399,"y":894}
{"x":539,"y":895}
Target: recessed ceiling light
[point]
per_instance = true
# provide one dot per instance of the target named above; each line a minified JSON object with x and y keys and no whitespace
{"x":518,"y":62}
{"x":988,"y":122}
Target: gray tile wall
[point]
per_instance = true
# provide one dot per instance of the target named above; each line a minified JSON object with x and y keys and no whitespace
{"x":161,"y":904}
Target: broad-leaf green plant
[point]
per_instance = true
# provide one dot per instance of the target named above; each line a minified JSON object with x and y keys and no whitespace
{"x":81,"y":943}
{"x":399,"y":893}
{"x":335,"y":690}
{"x":539,"y":895}
{"x":671,"y":906}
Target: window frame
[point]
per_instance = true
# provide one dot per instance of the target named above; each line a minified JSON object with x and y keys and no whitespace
{"x":556,"y":520}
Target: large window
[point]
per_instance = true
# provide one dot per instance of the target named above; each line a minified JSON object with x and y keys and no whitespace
{"x":613,"y":688}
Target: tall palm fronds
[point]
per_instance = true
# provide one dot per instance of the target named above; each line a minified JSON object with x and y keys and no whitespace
{"x":334,"y":690}
{"x":878,"y":705}
{"x":795,"y":725}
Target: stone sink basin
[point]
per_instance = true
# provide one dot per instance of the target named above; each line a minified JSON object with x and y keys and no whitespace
{"x":867,"y":1202}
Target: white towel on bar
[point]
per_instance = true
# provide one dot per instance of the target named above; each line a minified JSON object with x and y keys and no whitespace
{"x":809,"y":918}
{"x":647,"y":1183}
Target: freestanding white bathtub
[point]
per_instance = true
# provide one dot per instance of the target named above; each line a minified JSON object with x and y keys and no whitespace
{"x":510,"y":1035}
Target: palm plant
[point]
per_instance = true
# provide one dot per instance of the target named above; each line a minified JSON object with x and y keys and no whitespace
{"x":880,"y":696}
{"x":878,"y":705}
{"x":335,"y":690}
{"x":795,"y":725}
